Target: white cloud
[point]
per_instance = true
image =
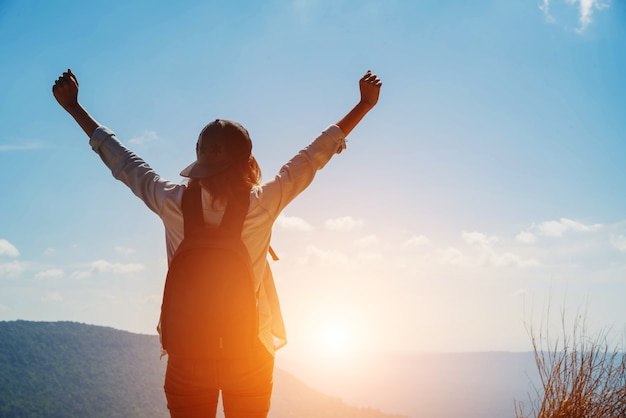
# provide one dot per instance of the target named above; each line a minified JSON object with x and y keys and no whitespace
{"x":303,"y":9}
{"x":8,"y":249}
{"x":20,"y":147}
{"x":483,"y":254}
{"x":563,"y":225}
{"x":619,"y":242}
{"x":370,"y":258}
{"x":346,"y":223}
{"x":451,"y":256}
{"x":11,"y":269}
{"x":366,"y":242}
{"x":49,"y":251}
{"x":509,"y":260}
{"x":145,"y":136}
{"x":586,"y":9}
{"x":103,"y":266}
{"x":50,"y":274}
{"x":293,"y":223}
{"x":323,"y":257}
{"x":416,"y":241}
{"x":545,"y":8}
{"x":477,"y":238}
{"x":526,"y":237}
{"x":52,"y":297}
{"x":123,"y":250}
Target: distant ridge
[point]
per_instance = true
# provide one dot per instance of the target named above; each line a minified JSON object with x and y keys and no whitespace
{"x":428,"y":385}
{"x":68,"y":369}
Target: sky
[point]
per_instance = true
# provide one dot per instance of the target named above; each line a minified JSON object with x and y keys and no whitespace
{"x":482,"y":197}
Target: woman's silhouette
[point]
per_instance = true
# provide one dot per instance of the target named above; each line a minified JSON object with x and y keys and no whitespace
{"x":224,"y":166}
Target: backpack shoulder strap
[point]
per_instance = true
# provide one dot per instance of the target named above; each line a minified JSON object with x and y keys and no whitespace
{"x":192,"y":210}
{"x":232,"y":221}
{"x":235,"y":214}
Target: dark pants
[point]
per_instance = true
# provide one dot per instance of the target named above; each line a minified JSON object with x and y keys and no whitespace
{"x":192,"y":386}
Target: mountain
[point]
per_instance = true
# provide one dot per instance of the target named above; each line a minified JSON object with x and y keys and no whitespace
{"x":429,"y":385}
{"x":67,"y":369}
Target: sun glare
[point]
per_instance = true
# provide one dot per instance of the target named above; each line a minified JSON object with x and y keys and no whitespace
{"x":332,"y":333}
{"x":335,"y":339}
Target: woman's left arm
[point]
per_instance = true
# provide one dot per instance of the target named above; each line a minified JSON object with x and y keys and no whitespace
{"x":65,"y":91}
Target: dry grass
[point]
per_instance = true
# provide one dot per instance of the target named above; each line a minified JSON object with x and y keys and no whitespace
{"x":580,"y":377}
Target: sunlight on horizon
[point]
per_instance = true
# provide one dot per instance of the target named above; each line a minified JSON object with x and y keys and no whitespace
{"x":335,"y":339}
{"x":332,"y":335}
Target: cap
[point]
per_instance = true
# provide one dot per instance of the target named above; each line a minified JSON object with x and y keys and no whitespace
{"x":220,"y":144}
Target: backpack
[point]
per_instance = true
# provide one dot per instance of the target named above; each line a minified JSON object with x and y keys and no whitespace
{"x":210,"y":306}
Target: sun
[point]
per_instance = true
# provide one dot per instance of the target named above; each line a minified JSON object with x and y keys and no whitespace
{"x":335,"y":338}
{"x":331,"y":333}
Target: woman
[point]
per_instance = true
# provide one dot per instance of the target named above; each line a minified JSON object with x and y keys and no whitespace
{"x":224,"y":167}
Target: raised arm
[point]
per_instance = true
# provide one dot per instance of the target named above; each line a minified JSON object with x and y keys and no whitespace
{"x":369,"y":85}
{"x":65,"y":91}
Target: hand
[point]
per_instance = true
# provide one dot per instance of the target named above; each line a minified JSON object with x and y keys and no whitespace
{"x":65,"y":90}
{"x":369,"y":85}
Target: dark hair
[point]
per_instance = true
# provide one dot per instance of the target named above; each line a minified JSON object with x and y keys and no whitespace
{"x":239,"y":177}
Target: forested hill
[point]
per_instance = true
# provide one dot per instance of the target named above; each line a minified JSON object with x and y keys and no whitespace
{"x":66,"y":369}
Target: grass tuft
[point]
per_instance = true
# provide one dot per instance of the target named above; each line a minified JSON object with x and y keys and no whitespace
{"x":580,"y":376}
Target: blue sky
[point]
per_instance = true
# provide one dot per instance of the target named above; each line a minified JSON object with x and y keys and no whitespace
{"x":487,"y":183}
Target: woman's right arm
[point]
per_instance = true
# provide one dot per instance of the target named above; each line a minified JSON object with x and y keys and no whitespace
{"x":369,"y":85}
{"x":158,"y":194}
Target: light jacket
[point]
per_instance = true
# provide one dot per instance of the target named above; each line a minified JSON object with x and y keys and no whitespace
{"x":267,"y":201}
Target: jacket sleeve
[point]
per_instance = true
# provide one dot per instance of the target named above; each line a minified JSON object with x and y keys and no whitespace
{"x":130,"y":169}
{"x":297,"y":174}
